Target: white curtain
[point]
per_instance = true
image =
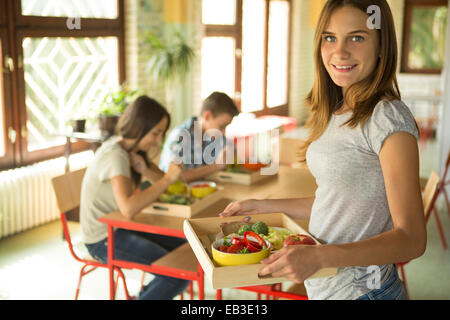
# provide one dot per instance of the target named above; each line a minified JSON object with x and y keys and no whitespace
{"x":444,"y":124}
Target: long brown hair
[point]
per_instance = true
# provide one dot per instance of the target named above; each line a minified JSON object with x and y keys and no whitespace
{"x":326,"y":97}
{"x":137,"y":120}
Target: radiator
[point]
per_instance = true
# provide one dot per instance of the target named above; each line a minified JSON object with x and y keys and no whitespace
{"x":27,"y":199}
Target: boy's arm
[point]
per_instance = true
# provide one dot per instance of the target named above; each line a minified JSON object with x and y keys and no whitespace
{"x":202,"y":172}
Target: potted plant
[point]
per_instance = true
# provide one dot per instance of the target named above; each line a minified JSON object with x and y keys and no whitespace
{"x":112,"y":106}
{"x":77,"y":117}
{"x":170,"y":61}
{"x":78,"y":125}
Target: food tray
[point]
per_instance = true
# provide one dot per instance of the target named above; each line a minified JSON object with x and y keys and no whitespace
{"x":247,"y":178}
{"x":185,"y":211}
{"x":202,"y":232}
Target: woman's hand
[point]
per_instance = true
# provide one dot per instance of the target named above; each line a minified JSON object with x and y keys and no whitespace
{"x":138,"y":163}
{"x":174,"y":172}
{"x":296,"y":263}
{"x":238,"y":208}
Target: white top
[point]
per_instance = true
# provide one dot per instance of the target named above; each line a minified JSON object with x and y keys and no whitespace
{"x":351,"y":202}
{"x":97,"y":198}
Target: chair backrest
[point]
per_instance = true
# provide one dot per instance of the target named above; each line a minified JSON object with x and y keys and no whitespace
{"x":67,"y":189}
{"x":430,"y":192}
{"x":68,"y":192}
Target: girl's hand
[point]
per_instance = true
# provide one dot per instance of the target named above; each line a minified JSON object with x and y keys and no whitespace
{"x":296,"y":263}
{"x":138,"y":163}
{"x":238,"y":208}
{"x":174,"y":172}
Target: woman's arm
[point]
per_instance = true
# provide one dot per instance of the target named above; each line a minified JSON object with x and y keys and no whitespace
{"x":131,"y":203}
{"x":296,"y":208}
{"x":399,"y":160}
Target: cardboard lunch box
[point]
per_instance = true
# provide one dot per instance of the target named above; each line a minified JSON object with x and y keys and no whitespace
{"x":185,"y":211}
{"x":247,"y":178}
{"x":201,"y":233}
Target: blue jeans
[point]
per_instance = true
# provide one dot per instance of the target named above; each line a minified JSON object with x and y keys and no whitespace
{"x":145,"y":249}
{"x":392,"y":289}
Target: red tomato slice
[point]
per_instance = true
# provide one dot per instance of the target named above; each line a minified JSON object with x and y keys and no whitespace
{"x":223,"y":248}
{"x":255,"y":244}
{"x":235,"y":248}
{"x":236,"y":240}
{"x":250,"y":244}
{"x":253,"y":248}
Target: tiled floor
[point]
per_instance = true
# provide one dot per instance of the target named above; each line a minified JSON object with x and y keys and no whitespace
{"x":37,"y":264}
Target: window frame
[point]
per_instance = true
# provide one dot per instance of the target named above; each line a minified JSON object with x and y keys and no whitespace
{"x":407,"y":27}
{"x":2,"y":13}
{"x":235,"y":31}
{"x":7,"y":160}
{"x":20,"y":27}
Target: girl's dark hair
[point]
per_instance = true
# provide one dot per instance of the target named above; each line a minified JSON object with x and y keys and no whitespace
{"x":138,"y":119}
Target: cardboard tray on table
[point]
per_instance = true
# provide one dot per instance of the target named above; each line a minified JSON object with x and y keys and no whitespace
{"x":201,"y":233}
{"x":185,"y":211}
{"x":246,"y":178}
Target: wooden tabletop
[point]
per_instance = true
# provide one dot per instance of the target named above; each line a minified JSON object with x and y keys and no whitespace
{"x":289,"y":183}
{"x":293,"y":183}
{"x":160,"y":224}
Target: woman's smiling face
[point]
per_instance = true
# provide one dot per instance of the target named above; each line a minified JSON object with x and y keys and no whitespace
{"x":350,"y":50}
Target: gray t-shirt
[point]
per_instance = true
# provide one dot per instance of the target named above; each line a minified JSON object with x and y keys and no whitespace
{"x":351,"y":203}
{"x":97,"y":198}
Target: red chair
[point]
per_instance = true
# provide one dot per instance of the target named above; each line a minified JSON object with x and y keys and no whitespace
{"x":67,"y":189}
{"x":430,"y":194}
{"x":89,"y":262}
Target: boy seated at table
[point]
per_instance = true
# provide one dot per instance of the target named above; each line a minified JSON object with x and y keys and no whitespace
{"x":199,"y":142}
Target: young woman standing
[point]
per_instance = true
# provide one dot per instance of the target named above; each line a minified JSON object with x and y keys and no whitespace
{"x":362,"y":150}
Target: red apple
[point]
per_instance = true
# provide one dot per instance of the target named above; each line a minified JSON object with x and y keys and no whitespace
{"x":298,"y":239}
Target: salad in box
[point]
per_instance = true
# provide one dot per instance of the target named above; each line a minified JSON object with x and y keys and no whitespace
{"x":230,"y":250}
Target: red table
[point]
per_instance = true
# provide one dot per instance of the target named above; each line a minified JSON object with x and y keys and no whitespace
{"x":152,"y":223}
{"x":290,"y":183}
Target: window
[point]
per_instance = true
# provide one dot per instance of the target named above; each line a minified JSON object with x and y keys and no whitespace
{"x":218,"y":49}
{"x":63,"y":78}
{"x":247,"y":44}
{"x":59,"y":58}
{"x":424,"y":36}
{"x":101,"y":9}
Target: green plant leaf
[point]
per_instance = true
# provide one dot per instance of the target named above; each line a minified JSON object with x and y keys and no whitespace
{"x":169,"y":60}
